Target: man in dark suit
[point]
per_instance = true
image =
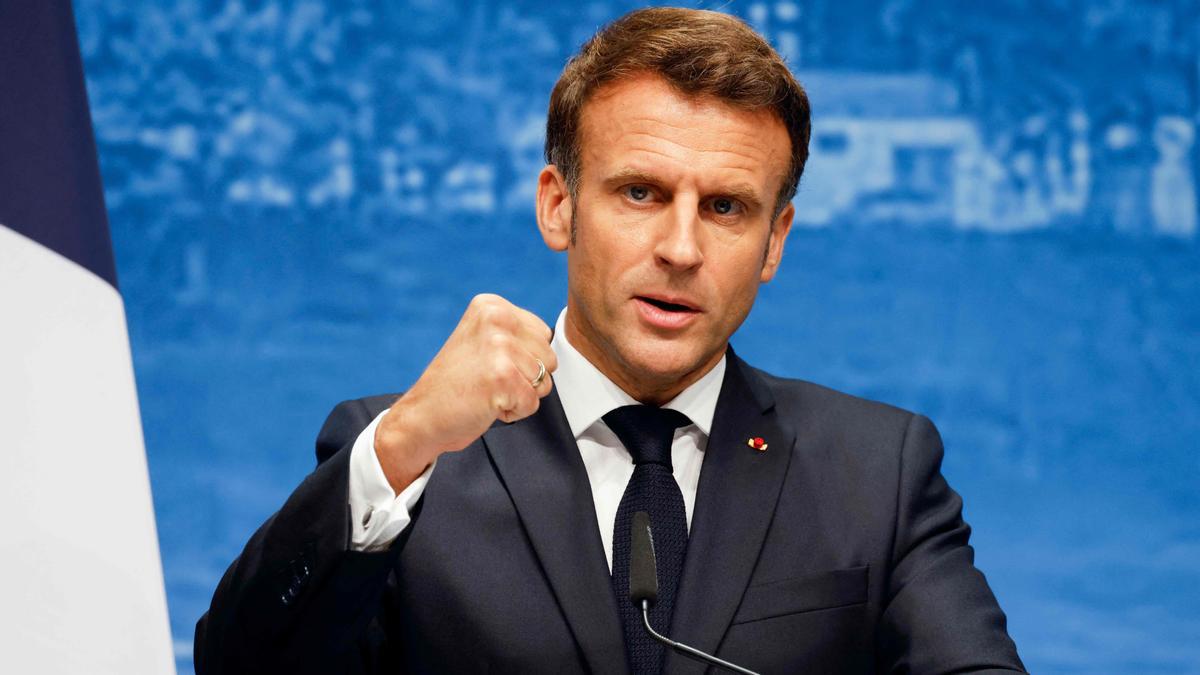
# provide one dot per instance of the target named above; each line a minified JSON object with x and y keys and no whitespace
{"x":481,"y":521}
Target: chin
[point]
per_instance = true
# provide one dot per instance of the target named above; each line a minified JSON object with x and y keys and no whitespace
{"x":664,"y":361}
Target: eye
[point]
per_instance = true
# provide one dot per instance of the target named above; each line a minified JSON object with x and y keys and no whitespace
{"x":725,"y":206}
{"x":638,"y":193}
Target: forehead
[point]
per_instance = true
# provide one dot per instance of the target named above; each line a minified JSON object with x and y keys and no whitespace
{"x":645,"y":124}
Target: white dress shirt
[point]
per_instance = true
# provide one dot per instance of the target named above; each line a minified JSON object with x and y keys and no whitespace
{"x":379,"y":515}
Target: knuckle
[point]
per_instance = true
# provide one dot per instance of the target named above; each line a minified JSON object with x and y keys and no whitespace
{"x":487,"y":313}
{"x":499,"y":340}
{"x":501,"y":403}
{"x":483,"y":299}
{"x":499,"y":317}
{"x":487,"y":307}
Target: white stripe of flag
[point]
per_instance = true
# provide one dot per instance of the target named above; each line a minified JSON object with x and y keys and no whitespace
{"x":80,"y":574}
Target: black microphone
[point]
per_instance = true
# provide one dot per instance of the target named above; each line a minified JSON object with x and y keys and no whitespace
{"x":643,"y":589}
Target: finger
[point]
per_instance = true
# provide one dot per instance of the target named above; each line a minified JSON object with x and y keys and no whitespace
{"x":522,"y":399}
{"x":534,"y":358}
{"x":528,"y":401}
{"x":532,"y":326}
{"x":502,"y":406}
{"x":529,"y":355}
{"x":492,"y":312}
{"x":518,"y":414}
{"x":537,"y":374}
{"x":499,"y":383}
{"x":541,"y":389}
{"x":511,"y":381}
{"x":542,"y":352}
{"x":520,"y":336}
{"x":517,"y":405}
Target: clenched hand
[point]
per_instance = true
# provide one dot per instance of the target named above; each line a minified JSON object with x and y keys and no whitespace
{"x":483,"y":373}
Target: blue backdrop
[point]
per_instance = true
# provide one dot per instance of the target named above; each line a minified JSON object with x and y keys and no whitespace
{"x":998,"y":229}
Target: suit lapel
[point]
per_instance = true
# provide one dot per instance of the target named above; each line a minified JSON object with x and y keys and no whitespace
{"x":735,"y":501}
{"x":539,"y":463}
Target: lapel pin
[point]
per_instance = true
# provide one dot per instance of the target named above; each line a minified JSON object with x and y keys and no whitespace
{"x":757,"y":443}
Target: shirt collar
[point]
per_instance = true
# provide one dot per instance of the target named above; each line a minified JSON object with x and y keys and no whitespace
{"x":587,"y":394}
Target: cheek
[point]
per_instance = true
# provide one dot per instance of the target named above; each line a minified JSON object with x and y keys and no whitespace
{"x":597,"y":264}
{"x":612,"y":252}
{"x":738,"y":280}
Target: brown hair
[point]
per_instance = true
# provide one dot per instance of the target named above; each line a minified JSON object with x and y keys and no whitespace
{"x":700,"y":53}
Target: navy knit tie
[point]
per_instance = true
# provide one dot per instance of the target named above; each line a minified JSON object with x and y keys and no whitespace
{"x":647,"y":433}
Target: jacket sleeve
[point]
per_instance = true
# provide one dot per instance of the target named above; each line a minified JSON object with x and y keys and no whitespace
{"x":940,"y":616}
{"x":298,"y":599}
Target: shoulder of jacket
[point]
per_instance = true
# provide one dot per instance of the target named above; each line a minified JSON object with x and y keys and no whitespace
{"x":347,"y":420}
{"x":801,"y":397}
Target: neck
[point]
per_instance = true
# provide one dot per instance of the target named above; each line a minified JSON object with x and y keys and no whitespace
{"x":647,"y":388}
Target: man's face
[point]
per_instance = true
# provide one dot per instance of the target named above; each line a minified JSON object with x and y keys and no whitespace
{"x":673,"y":230}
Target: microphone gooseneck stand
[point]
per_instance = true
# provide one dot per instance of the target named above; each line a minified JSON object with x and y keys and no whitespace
{"x":643,"y":590}
{"x":686,"y":650}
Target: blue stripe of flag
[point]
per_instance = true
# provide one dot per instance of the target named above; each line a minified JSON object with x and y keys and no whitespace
{"x":50,"y":189}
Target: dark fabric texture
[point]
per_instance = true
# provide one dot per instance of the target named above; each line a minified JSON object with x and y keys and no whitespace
{"x":647,"y":432}
{"x":840,"y":549}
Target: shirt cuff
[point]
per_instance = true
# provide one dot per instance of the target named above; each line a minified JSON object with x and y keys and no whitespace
{"x":377,"y":514}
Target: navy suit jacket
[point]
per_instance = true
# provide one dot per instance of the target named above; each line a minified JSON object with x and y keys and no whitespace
{"x":838,"y":549}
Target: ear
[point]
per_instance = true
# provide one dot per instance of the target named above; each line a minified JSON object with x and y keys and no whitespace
{"x":779,"y":232}
{"x":554,"y":208}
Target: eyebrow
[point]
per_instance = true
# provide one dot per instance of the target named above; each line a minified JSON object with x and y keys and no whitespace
{"x":742,"y":192}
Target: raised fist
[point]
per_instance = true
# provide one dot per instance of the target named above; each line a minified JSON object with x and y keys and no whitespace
{"x":486,"y":371}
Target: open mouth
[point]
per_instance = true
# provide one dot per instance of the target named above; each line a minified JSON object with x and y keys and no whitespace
{"x":666,"y":306}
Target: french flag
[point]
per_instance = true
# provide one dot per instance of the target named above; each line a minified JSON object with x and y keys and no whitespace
{"x":81,"y":585}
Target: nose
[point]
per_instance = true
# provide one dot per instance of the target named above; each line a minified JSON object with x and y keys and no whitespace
{"x":679,"y":244}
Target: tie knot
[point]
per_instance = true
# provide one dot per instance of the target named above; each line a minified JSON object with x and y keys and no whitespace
{"x":646,"y":431}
